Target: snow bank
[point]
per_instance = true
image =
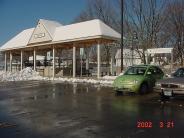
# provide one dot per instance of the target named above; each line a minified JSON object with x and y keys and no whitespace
{"x":109,"y":77}
{"x":92,"y":81}
{"x":112,"y":77}
{"x":25,"y":74}
{"x":29,"y":74}
{"x":121,"y":73}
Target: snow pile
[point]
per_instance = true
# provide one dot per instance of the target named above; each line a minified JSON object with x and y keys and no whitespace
{"x":92,"y":81}
{"x":109,"y":77}
{"x":29,"y":74}
{"x":1,"y":72}
{"x":25,"y":74}
{"x":121,"y":74}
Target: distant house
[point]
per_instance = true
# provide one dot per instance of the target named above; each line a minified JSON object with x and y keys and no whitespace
{"x":127,"y":58}
{"x":156,"y":56}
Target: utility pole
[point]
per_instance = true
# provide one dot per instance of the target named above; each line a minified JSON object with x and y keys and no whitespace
{"x":134,"y":41}
{"x":122,"y":8}
{"x":132,"y":52}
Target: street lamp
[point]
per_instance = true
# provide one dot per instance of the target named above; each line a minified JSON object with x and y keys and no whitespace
{"x":134,"y":38}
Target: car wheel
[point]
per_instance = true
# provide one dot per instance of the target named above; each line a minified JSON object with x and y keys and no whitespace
{"x":163,"y":97}
{"x":118,"y":93}
{"x":143,"y":88}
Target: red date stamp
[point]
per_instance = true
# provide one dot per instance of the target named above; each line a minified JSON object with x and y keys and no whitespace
{"x":166,"y":124}
{"x":144,"y":124}
{"x":150,"y":124}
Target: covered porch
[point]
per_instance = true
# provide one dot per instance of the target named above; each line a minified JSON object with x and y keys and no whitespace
{"x":60,"y":53}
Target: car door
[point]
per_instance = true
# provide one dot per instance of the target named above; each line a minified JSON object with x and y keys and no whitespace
{"x":150,"y":76}
{"x":158,"y":73}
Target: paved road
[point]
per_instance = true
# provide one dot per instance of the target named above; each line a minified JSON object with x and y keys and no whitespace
{"x":52,"y":109}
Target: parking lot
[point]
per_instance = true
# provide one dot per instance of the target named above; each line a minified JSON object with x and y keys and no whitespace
{"x":54,"y":109}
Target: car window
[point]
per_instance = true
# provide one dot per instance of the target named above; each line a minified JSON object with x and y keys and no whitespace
{"x":152,"y":70}
{"x":136,"y":71}
{"x":155,"y":71}
{"x":179,"y":73}
{"x":158,"y":70}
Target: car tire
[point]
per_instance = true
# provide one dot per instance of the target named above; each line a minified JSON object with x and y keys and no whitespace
{"x":143,"y":89}
{"x":118,"y":93}
{"x":163,"y":97}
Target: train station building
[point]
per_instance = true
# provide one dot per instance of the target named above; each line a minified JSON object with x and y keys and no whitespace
{"x":46,"y":47}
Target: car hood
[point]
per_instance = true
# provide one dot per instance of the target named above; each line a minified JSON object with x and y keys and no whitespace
{"x":129,"y":78}
{"x":172,"y":80}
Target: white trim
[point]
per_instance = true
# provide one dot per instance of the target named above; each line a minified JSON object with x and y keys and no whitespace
{"x":59,"y":42}
{"x":159,"y":50}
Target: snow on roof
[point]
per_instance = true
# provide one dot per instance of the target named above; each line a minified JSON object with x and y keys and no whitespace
{"x":19,"y":40}
{"x":127,"y":52}
{"x":50,"y":26}
{"x":73,"y":32}
{"x":159,"y":50}
{"x":82,"y":30}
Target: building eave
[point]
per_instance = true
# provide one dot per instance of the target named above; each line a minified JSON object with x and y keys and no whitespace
{"x":77,"y":40}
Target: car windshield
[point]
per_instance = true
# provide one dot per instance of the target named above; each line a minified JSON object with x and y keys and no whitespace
{"x":136,"y":71}
{"x":179,"y":73}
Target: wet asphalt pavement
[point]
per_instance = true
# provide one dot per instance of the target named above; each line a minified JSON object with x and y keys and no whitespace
{"x":59,"y":110}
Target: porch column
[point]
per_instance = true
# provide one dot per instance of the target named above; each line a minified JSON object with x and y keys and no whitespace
{"x":21,"y":59}
{"x":171,"y":60}
{"x":98,"y":60}
{"x":5,"y":62}
{"x":112,"y":62}
{"x":87,"y":60}
{"x":154,"y":59}
{"x":53,"y":64}
{"x":74,"y":61}
{"x":34,"y":56}
{"x":111,"y":65}
{"x":10,"y":61}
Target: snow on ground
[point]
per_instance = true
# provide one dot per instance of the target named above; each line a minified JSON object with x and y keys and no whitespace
{"x":1,"y":72}
{"x":92,"y":81}
{"x":29,"y":74}
{"x":25,"y":74}
{"x":109,"y":77}
{"x":112,"y":77}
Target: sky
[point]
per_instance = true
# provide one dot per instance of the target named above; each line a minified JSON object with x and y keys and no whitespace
{"x":17,"y":15}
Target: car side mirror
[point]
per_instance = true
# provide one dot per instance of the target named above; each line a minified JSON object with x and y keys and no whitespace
{"x":148,"y":73}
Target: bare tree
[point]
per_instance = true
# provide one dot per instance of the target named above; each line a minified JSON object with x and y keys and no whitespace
{"x":106,"y":11}
{"x":145,"y":18}
{"x":174,"y":28}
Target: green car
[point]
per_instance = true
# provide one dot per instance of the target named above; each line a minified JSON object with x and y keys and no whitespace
{"x":138,"y":79}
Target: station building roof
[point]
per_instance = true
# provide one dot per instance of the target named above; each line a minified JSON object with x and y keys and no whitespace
{"x":49,"y":32}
